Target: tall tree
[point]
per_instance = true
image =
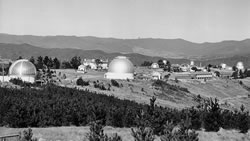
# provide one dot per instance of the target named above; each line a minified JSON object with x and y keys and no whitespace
{"x":39,"y":64}
{"x":50,"y":63}
{"x":46,"y":60}
{"x":66,"y":65}
{"x":75,"y":62}
{"x":56,"y":63}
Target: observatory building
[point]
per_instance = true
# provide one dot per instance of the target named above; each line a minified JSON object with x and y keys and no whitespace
{"x":155,"y":66}
{"x":120,"y":68}
{"x":24,"y":70}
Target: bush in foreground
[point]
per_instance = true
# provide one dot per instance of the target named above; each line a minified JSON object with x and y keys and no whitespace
{"x":96,"y":133}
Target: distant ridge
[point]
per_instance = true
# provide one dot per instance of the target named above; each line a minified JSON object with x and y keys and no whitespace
{"x":169,"y":48}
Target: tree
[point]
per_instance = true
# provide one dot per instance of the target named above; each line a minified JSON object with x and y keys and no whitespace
{"x":39,"y":64}
{"x":56,"y":63}
{"x":147,"y":63}
{"x":98,"y":61}
{"x":50,"y":63}
{"x":20,"y":57}
{"x":234,"y":68}
{"x":46,"y":60}
{"x":32,"y":60}
{"x":75,"y":62}
{"x":66,"y":65}
{"x":168,"y":66}
{"x":160,"y":63}
{"x":241,"y":74}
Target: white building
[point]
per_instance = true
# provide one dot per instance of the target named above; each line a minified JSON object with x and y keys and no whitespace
{"x":81,"y":69}
{"x":156,"y":75}
{"x":90,"y":63}
{"x":120,"y":68}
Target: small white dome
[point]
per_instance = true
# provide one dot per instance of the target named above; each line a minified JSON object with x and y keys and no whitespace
{"x":22,"y":67}
{"x":240,"y":66}
{"x":121,"y":64}
{"x":154,"y":66}
{"x":223,"y":66}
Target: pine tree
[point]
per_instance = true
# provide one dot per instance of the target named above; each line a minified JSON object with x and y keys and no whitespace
{"x":39,"y":64}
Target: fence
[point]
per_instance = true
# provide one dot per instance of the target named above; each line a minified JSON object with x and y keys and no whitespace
{"x":15,"y":137}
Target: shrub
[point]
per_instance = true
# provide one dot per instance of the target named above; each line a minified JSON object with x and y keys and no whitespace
{"x":212,"y":117}
{"x":97,"y":134}
{"x":142,"y":134}
{"x":81,"y":82}
{"x":27,"y":135}
{"x":181,"y":133}
{"x":115,"y":83}
{"x":20,"y":82}
{"x":243,"y":120}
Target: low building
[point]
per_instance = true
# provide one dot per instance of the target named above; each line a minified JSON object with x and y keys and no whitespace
{"x":193,"y":75}
{"x":81,"y":69}
{"x":156,"y":75}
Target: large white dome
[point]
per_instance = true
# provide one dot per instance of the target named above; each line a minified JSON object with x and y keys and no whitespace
{"x":120,"y":68}
{"x":22,"y":67}
{"x":121,"y":64}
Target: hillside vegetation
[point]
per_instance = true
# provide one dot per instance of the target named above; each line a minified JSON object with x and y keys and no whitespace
{"x":60,"y":106}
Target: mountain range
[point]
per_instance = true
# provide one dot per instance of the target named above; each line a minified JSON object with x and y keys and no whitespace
{"x":167,"y":48}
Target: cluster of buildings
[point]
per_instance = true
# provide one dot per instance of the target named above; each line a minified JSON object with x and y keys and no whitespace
{"x":94,"y":64}
{"x":122,"y":68}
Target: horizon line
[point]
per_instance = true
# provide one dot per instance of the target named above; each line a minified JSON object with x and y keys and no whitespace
{"x":121,"y":38}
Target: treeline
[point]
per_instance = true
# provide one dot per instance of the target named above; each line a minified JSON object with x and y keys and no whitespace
{"x":54,"y":63}
{"x":53,"y":105}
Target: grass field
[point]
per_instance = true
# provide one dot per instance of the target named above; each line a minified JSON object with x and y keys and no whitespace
{"x":80,"y":134}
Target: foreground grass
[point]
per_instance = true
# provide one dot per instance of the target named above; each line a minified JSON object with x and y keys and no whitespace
{"x":80,"y":134}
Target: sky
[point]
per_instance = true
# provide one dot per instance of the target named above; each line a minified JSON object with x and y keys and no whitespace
{"x":193,"y":20}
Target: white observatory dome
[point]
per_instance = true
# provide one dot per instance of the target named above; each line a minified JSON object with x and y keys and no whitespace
{"x":154,"y":66}
{"x":23,"y":69}
{"x":240,"y":66}
{"x":223,"y":66}
{"x":120,"y":68}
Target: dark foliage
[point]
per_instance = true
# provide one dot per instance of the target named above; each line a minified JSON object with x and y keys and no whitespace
{"x":115,"y":83}
{"x":179,"y":133}
{"x":165,"y":85}
{"x":81,"y":82}
{"x":147,"y":63}
{"x":20,"y":82}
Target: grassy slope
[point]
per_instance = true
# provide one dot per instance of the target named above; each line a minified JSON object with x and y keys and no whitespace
{"x":225,"y":90}
{"x":229,"y":91}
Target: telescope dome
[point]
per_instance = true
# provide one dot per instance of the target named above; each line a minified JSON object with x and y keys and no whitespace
{"x":154,"y":66}
{"x":120,"y":68}
{"x":22,"y":67}
{"x":121,"y":64}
